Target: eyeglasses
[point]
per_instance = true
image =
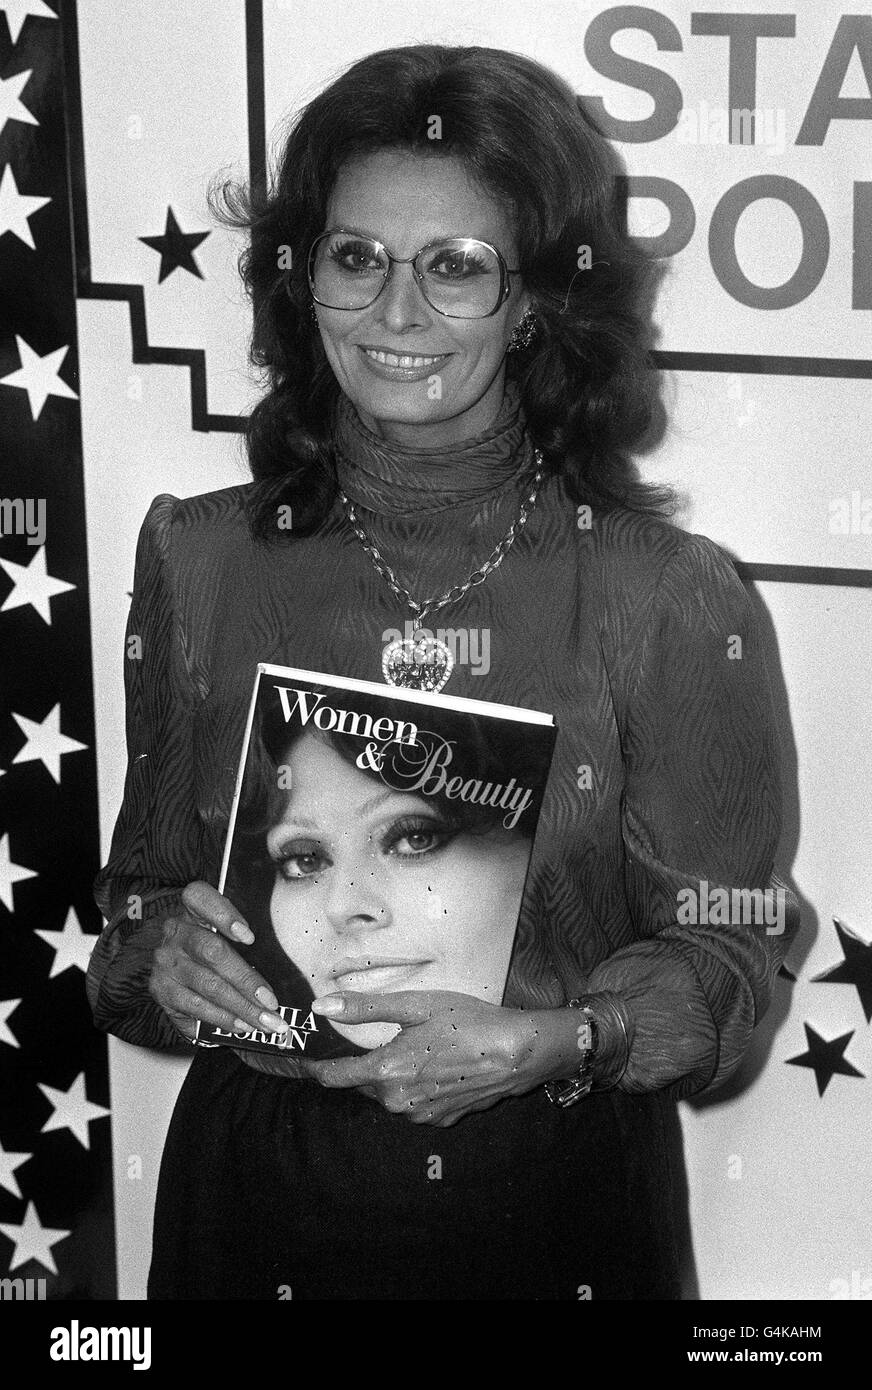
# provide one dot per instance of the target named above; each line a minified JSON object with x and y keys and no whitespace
{"x":459,"y":277}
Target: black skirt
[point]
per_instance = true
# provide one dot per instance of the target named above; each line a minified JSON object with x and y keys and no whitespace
{"x":273,"y":1189}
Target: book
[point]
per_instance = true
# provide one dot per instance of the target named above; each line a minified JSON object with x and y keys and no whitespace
{"x":379,"y":840}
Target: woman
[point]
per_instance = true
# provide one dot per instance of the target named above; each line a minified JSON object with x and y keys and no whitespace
{"x":455,"y":391}
{"x":352,"y":880}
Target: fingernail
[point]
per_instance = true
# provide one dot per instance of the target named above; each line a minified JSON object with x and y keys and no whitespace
{"x":330,"y":1005}
{"x":266,"y":997}
{"x":273,"y":1023}
{"x":242,"y":932}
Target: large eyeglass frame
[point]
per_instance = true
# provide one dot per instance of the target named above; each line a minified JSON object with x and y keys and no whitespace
{"x":505,"y":272}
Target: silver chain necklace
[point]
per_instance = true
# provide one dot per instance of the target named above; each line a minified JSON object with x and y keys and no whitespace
{"x":425,"y":662}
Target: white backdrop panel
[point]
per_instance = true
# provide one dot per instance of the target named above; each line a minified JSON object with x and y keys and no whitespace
{"x":164,"y":111}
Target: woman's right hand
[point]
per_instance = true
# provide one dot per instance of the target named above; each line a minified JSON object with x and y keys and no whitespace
{"x":198,"y":975}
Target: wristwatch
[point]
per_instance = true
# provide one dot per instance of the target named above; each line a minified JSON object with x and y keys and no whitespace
{"x":565,"y":1093}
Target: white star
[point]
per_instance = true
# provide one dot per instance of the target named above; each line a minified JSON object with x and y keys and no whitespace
{"x":32,"y":1240}
{"x":45,"y":741}
{"x":34,"y":585}
{"x":72,"y":1110}
{"x":7,"y":1007}
{"x":15,"y":208}
{"x":10,"y":873}
{"x":11,"y":109}
{"x":71,"y":946}
{"x":18,"y":10}
{"x":38,"y":376}
{"x":8,"y":1164}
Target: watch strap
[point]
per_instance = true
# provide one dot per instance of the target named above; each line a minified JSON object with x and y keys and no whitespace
{"x":564,"y":1093}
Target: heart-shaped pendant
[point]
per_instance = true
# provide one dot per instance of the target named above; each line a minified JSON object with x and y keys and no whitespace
{"x":417,"y":663}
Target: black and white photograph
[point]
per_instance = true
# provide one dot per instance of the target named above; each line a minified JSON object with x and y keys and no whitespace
{"x":435,"y":583}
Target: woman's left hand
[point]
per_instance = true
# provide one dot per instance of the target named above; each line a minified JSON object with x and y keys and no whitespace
{"x":455,"y":1053}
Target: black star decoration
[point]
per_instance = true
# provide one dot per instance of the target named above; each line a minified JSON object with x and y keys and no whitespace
{"x":855,"y":969}
{"x":176,"y":248}
{"x":825,"y":1058}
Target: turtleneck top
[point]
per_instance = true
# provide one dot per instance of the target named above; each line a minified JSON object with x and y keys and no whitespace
{"x":400,"y":480}
{"x":665,"y":781}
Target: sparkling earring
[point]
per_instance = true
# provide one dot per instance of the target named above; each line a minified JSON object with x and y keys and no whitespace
{"x":313,"y":311}
{"x":523,"y":332}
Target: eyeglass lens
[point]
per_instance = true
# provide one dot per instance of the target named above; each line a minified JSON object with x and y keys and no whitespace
{"x":459,"y":277}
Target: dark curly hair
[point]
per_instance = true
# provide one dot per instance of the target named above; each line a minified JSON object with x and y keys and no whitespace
{"x":587,"y":388}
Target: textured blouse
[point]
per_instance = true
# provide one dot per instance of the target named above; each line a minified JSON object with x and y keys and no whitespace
{"x":638,"y":637}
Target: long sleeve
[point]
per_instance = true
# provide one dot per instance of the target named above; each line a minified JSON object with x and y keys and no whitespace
{"x":700,"y":821}
{"x":156,"y":846}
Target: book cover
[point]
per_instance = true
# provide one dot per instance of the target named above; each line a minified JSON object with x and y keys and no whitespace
{"x":379,"y":840}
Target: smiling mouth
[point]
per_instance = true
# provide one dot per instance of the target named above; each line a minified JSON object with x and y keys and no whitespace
{"x":375,"y":970}
{"x":404,"y":360}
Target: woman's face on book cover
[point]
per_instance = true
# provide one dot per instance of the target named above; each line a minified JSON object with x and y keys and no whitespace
{"x":377,"y":891}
